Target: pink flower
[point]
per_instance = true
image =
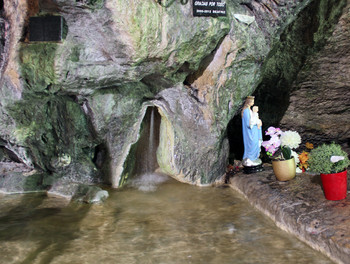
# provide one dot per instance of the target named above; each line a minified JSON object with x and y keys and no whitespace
{"x":271,"y":149}
{"x":274,"y":143}
{"x":279,"y":138}
{"x":265,"y":143}
{"x":275,"y":140}
{"x":270,"y":131}
{"x":273,"y":131}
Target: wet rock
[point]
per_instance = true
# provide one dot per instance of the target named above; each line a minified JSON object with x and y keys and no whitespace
{"x":66,"y":190}
{"x":17,"y":178}
{"x":91,"y":194}
{"x":78,"y":192}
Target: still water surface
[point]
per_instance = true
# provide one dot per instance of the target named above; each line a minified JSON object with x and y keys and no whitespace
{"x":155,"y":220}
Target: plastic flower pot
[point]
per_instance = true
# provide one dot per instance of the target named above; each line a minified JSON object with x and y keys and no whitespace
{"x":335,"y":185}
{"x":284,"y":169}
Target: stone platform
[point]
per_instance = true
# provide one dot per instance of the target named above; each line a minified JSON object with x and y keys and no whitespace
{"x":300,"y":208}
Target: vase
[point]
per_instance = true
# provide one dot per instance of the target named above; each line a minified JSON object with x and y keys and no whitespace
{"x":284,"y":169}
{"x":335,"y":185}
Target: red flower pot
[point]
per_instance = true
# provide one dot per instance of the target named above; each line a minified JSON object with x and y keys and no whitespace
{"x":335,"y":185}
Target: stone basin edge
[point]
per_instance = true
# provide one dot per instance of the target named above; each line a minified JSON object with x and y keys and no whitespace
{"x":273,"y":203}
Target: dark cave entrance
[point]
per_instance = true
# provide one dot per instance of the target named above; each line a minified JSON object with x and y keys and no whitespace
{"x":235,"y":138}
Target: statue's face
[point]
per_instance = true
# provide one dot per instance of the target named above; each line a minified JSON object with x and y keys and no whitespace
{"x":251,"y":103}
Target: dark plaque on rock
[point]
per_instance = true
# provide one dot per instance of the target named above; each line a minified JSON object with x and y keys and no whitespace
{"x":46,"y":28}
{"x":212,"y":8}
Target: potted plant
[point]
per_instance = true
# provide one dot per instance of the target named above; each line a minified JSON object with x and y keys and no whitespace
{"x":280,"y":149}
{"x":331,"y":162}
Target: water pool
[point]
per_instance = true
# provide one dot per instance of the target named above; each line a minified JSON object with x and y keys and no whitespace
{"x":154,"y":220}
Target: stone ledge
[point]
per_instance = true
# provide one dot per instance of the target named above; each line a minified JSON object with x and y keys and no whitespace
{"x":300,"y":208}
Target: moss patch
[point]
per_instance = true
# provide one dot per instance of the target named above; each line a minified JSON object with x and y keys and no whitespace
{"x":50,"y":127}
{"x":38,"y":65}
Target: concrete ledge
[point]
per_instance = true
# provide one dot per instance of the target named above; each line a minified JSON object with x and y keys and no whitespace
{"x":300,"y":208}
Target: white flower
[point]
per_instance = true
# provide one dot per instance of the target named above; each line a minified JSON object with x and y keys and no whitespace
{"x":296,"y":157}
{"x":291,"y":139}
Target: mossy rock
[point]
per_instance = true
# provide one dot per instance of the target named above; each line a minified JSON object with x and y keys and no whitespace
{"x":16,"y":182}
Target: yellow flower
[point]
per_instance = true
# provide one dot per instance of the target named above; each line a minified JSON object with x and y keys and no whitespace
{"x":303,"y":157}
{"x":309,"y":145}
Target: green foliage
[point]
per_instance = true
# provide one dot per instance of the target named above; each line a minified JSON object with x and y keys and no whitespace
{"x":320,"y":159}
{"x":286,"y":152}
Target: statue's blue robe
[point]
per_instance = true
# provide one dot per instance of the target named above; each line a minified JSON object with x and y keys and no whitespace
{"x":251,"y":137}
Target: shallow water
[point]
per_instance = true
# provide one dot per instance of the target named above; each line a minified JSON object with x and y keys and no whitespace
{"x":155,"y":220}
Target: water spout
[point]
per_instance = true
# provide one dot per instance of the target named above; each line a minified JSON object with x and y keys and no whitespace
{"x":144,"y":177}
{"x":151,"y":146}
{"x":146,"y":150}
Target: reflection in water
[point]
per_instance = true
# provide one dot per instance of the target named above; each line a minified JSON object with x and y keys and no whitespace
{"x":175,"y":223}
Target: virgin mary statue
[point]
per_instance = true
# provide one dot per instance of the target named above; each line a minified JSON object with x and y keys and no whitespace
{"x":252,"y":135}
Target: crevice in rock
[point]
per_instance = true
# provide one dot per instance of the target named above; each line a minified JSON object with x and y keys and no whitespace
{"x":156,"y":82}
{"x":185,"y":68}
{"x":101,"y":156}
{"x":194,"y":75}
{"x":202,"y":65}
{"x":8,"y":156}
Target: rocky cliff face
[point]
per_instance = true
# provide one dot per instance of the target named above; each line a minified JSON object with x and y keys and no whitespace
{"x":74,"y":109}
{"x":296,"y":78}
{"x":320,"y":100}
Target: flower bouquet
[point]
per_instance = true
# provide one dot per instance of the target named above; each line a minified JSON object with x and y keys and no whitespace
{"x":281,"y":144}
{"x":279,"y":148}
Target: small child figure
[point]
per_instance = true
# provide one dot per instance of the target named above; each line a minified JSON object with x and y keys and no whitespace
{"x":254,"y":120}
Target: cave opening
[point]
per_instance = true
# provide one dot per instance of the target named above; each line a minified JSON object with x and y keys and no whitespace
{"x":147,"y":145}
{"x":141,"y":167}
{"x":235,"y":138}
{"x":150,"y":158}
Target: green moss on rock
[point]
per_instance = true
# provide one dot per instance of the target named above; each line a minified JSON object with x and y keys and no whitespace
{"x":38,"y":65}
{"x":16,"y":182}
{"x":50,"y":126}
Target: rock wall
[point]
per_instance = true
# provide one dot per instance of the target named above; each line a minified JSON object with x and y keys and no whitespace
{"x":284,"y":99}
{"x":73,"y":109}
{"x":320,"y":99}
